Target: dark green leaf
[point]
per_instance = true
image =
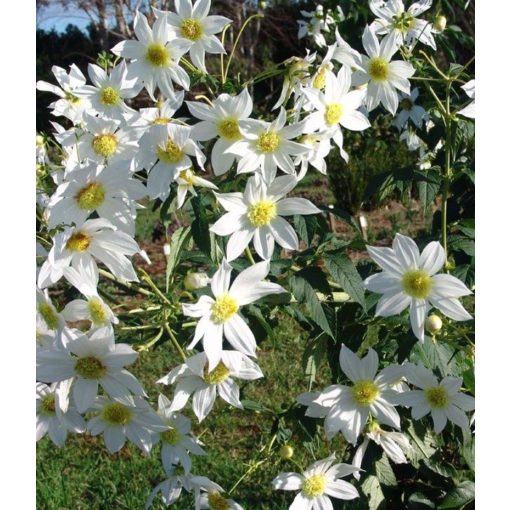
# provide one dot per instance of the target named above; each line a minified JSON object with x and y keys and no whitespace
{"x":463,"y":494}
{"x":345,"y":274}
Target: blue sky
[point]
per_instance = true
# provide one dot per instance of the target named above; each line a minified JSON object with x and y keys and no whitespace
{"x":56,"y":17}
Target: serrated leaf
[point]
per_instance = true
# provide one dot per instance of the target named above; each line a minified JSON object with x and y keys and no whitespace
{"x":384,"y":471}
{"x":306,"y":227}
{"x":435,"y":355}
{"x":305,"y":293}
{"x":315,"y":353}
{"x":177,"y":243}
{"x":423,"y":443}
{"x":463,"y":494}
{"x":417,"y":501}
{"x":372,"y":489}
{"x":345,"y":274}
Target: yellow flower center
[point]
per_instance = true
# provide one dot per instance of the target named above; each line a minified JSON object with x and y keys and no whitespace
{"x":268,"y":142}
{"x":171,"y":153}
{"x":49,"y":315}
{"x":171,"y":436}
{"x":157,"y":55}
{"x":374,"y":427}
{"x":261,"y":213}
{"x":109,"y":96}
{"x":161,"y":121}
{"x":217,"y":501}
{"x":187,"y":176}
{"x":116,"y":414}
{"x":90,"y":367}
{"x":48,"y":405}
{"x":403,"y":22}
{"x":97,"y":311}
{"x":79,"y":241}
{"x":90,"y":196}
{"x":379,"y":69}
{"x":71,"y":98}
{"x":333,"y":113}
{"x":105,"y":145}
{"x":224,"y":308}
{"x":365,"y":392}
{"x":218,"y":375}
{"x":229,"y":129}
{"x":437,"y":397}
{"x":309,"y":140}
{"x":192,"y":29}
{"x":319,"y":82}
{"x":314,"y":486}
{"x":417,"y":284}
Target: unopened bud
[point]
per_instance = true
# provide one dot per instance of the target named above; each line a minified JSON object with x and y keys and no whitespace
{"x":433,"y":324}
{"x":440,"y":23}
{"x":286,"y":452}
{"x":39,"y":141}
{"x":194,"y":281}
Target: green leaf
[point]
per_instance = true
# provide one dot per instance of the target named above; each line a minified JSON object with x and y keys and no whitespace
{"x":306,"y":227}
{"x":463,"y":494}
{"x":345,"y":274}
{"x":417,"y":501}
{"x":315,"y":353}
{"x":179,"y":239}
{"x":435,"y":355}
{"x":372,"y":489}
{"x":423,"y":443}
{"x":304,"y":292}
{"x":428,"y":185}
{"x":384,"y":471}
{"x":200,"y":227}
{"x":461,"y":243}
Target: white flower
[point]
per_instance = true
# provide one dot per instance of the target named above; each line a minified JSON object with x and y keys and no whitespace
{"x":336,"y":107}
{"x":344,"y":54}
{"x":94,"y":309}
{"x":186,"y":182}
{"x":195,"y":377}
{"x":171,"y":488}
{"x":469,"y":110}
{"x":257,"y":214}
{"x":350,"y":406}
{"x":383,"y":76}
{"x":104,"y":140}
{"x":191,"y":22}
{"x":48,"y":319}
{"x":130,"y":417}
{"x":176,"y":440}
{"x":155,"y":56}
{"x":221,"y":120}
{"x":95,"y":238}
{"x":443,"y":400}
{"x":403,"y":25}
{"x":316,"y":24}
{"x":50,"y":418}
{"x":212,"y":499}
{"x":410,"y":110}
{"x":409,"y":280}
{"x":109,"y":191}
{"x":321,"y":147}
{"x":163,"y":113}
{"x":171,"y":146}
{"x":70,"y":105}
{"x":318,"y":482}
{"x":394,"y":444}
{"x":194,"y":281}
{"x":220,"y":315}
{"x":268,"y":146}
{"x":92,"y":361}
{"x":109,"y":92}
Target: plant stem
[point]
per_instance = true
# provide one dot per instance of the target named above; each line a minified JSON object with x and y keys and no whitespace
{"x":127,"y":285}
{"x":446,"y":174}
{"x":245,"y":24}
{"x":174,"y":341}
{"x":249,"y":256}
{"x":146,"y":278}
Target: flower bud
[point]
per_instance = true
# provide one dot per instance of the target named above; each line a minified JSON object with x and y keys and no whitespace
{"x":433,"y":324}
{"x":286,"y":452}
{"x":194,"y":281}
{"x":39,"y":141}
{"x":440,"y":23}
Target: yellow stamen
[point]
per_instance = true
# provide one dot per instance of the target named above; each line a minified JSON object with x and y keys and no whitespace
{"x":157,"y":55}
{"x":105,"y":145}
{"x":229,"y":129}
{"x":218,"y":375}
{"x":49,"y":315}
{"x":217,"y":501}
{"x":79,"y":241}
{"x":116,"y":414}
{"x":48,"y":405}
{"x":365,"y":392}
{"x":188,"y":176}
{"x":333,"y":113}
{"x":192,"y":29}
{"x":315,"y":485}
{"x":97,"y":311}
{"x":261,"y":213}
{"x":224,"y":308}
{"x":90,"y":368}
{"x":90,"y":196}
{"x":379,"y":69}
{"x":109,"y":96}
{"x":171,"y":153}
{"x":171,"y":436}
{"x":268,"y":142}
{"x":437,"y":397}
{"x":417,"y":284}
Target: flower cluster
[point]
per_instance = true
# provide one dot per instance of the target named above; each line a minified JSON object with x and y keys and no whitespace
{"x":113,"y":156}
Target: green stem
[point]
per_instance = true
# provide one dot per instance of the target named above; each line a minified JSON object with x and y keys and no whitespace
{"x":146,"y":278}
{"x":127,"y":285}
{"x":245,"y":24}
{"x":446,"y":173}
{"x":175,"y":341}
{"x":249,"y":256}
